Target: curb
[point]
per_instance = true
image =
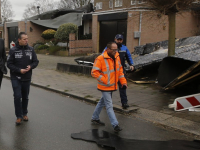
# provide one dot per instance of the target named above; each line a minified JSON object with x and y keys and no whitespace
{"x":92,"y":101}
{"x":164,"y":120}
{"x":188,"y":127}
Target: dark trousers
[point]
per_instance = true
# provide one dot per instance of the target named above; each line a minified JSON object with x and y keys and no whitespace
{"x":122,"y":93}
{"x":1,"y":76}
{"x":21,"y":92}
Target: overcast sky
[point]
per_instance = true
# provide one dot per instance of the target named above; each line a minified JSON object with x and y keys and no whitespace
{"x":19,"y":6}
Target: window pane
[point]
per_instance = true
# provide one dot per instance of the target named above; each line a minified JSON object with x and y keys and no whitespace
{"x":110,"y":4}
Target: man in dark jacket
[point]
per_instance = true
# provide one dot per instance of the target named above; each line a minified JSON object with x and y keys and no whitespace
{"x":21,"y":60}
{"x":3,"y":69}
{"x":124,"y":55}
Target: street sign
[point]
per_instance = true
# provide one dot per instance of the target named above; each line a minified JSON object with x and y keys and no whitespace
{"x":186,"y":102}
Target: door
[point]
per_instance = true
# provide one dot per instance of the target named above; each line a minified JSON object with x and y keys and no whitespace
{"x":12,"y":34}
{"x":108,"y":30}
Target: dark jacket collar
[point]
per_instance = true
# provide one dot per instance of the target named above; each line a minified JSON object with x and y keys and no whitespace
{"x":21,"y":47}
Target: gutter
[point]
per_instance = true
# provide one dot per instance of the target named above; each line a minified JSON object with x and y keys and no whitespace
{"x":122,"y":10}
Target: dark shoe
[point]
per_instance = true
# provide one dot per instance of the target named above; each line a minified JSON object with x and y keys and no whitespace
{"x":98,"y":122}
{"x":18,"y":121}
{"x":117,"y":128}
{"x":124,"y":106}
{"x":25,"y":118}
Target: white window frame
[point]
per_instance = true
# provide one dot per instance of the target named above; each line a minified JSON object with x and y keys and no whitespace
{"x":110,"y":3}
{"x":98,"y":5}
{"x":118,"y":3}
{"x":133,"y":2}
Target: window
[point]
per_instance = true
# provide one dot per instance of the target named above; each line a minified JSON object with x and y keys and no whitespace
{"x":98,"y":5}
{"x":118,"y":3}
{"x":141,"y":1}
{"x":111,"y":4}
{"x":133,"y":2}
{"x":1,"y":34}
{"x":83,"y":2}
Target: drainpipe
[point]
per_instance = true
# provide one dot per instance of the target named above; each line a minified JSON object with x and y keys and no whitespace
{"x":112,"y":4}
{"x":140,"y":28}
{"x":25,"y":26}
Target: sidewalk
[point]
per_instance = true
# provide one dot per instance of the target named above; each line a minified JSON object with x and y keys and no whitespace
{"x":145,"y":100}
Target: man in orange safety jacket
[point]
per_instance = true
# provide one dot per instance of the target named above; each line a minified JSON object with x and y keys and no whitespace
{"x":107,"y":69}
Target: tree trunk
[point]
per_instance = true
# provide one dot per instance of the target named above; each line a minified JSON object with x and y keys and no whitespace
{"x":172,"y":33}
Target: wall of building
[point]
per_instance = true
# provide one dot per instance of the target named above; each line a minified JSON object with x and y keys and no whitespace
{"x":125,"y":4}
{"x":6,"y":37}
{"x":154,"y":27}
{"x":33,"y":31}
{"x":79,"y":47}
{"x":95,"y":34}
{"x":187,"y":25}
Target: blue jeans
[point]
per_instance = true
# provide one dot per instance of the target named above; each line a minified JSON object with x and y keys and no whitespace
{"x":106,"y":100}
{"x":21,"y":92}
{"x":122,"y":93}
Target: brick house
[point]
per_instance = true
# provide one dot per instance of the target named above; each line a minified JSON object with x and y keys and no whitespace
{"x":35,"y":25}
{"x":132,"y":18}
{"x":138,"y":23}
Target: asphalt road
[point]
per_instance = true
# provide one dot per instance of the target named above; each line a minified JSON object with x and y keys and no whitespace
{"x":53,"y":117}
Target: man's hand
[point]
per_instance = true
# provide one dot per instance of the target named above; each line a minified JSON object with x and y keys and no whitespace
{"x":28,"y":68}
{"x":124,"y":86}
{"x":132,"y":68}
{"x":23,"y":71}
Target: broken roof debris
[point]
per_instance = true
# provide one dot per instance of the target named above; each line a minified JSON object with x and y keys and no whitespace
{"x":186,"y":48}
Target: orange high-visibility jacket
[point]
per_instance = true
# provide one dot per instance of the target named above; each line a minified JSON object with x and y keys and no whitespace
{"x":108,"y":72}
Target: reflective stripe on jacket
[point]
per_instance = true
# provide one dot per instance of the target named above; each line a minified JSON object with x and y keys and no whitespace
{"x":108,"y":72}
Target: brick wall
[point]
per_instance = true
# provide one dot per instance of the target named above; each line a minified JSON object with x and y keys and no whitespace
{"x":6,"y":36}
{"x":155,"y":28}
{"x":125,"y":4}
{"x":95,"y":33}
{"x":33,"y":31}
{"x":79,"y":47}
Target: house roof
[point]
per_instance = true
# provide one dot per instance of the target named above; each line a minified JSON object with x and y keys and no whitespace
{"x":75,"y":18}
{"x":59,"y":12}
{"x":55,"y":18}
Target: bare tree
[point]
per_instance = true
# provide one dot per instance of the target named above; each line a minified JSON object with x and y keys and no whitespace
{"x":44,"y":6}
{"x":76,"y":3}
{"x":170,"y":8}
{"x":65,"y":4}
{"x":6,"y":10}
